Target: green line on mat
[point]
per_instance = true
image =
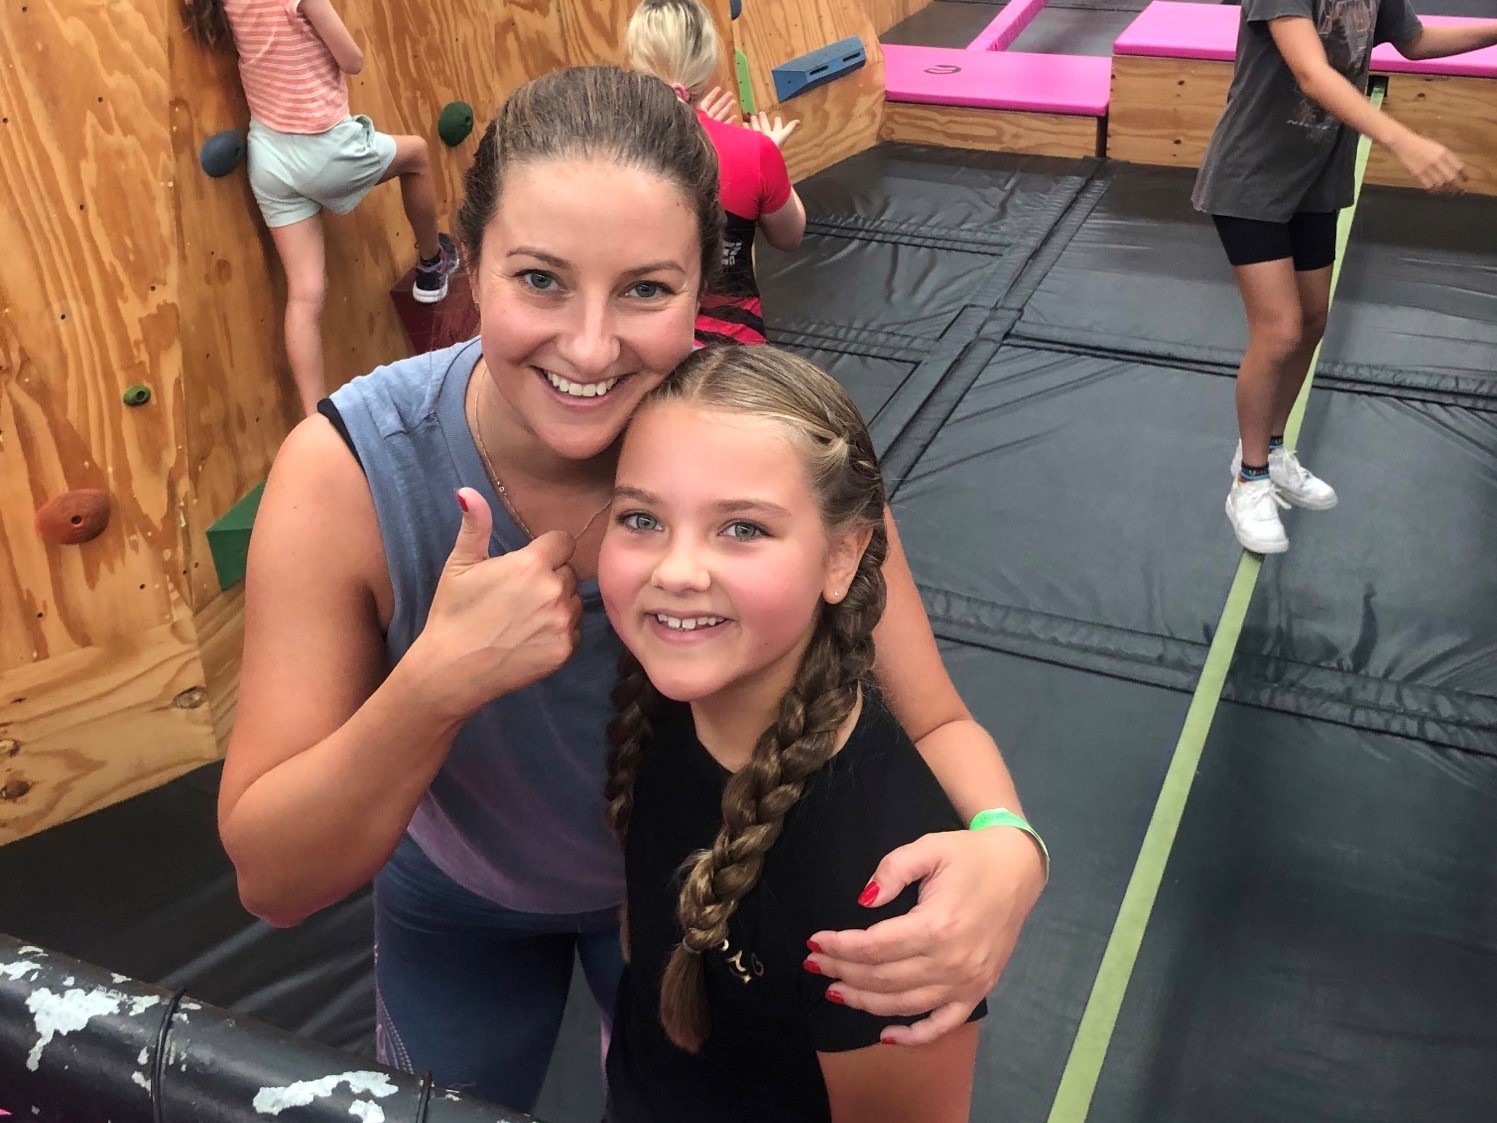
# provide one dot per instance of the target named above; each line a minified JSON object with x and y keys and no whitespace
{"x":1078,"y":1083}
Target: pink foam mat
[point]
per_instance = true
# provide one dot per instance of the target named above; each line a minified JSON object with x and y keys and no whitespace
{"x":1036,"y":83}
{"x":1166,"y":29}
{"x":1007,"y":25}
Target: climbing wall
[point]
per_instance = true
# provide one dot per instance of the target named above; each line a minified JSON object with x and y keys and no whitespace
{"x":126,"y":266}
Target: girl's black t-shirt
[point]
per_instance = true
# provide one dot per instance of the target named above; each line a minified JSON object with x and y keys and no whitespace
{"x":769,"y":1016}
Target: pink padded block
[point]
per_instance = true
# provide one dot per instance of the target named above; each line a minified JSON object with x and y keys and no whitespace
{"x":1074,"y":84}
{"x":1473,"y":64}
{"x":1166,"y":29}
{"x":1007,"y":26}
{"x":1172,"y":30}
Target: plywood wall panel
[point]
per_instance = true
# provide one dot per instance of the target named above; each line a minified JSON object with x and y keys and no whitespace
{"x":89,"y":285}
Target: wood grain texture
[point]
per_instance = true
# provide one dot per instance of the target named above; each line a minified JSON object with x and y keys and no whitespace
{"x":1457,"y":112}
{"x":884,"y":14}
{"x":991,"y":130}
{"x":1162,"y":111}
{"x":837,"y":120}
{"x":88,"y":281}
{"x":83,"y":730}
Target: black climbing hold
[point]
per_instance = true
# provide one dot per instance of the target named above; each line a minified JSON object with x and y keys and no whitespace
{"x":137,"y":395}
{"x":454,"y":123}
{"x":221,"y":153}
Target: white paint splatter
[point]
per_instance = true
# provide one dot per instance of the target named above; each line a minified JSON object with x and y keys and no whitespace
{"x":368,"y":1112}
{"x":32,"y":949}
{"x":72,"y":1010}
{"x":186,"y":1005}
{"x":139,"y":1078}
{"x":18,"y":970}
{"x":119,"y":978}
{"x":140,"y":1003}
{"x":273,"y":1101}
{"x":145,"y":1056}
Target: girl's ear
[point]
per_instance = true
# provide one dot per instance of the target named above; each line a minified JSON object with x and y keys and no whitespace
{"x":844,"y":554}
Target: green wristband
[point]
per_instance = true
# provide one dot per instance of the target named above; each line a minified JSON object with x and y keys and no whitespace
{"x":1003,"y":817}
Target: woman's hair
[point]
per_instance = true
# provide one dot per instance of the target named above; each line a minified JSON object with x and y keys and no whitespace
{"x":676,"y":41}
{"x":596,"y":113}
{"x":838,"y":456}
{"x":206,"y":21}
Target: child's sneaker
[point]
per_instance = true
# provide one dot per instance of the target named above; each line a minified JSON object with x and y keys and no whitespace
{"x":1252,"y":509}
{"x":431,"y":280}
{"x":1295,"y":482}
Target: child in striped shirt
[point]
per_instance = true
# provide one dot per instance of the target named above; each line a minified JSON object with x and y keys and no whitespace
{"x":306,"y":152}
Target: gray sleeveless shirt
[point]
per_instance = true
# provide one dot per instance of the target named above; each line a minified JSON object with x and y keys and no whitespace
{"x":516,"y":813}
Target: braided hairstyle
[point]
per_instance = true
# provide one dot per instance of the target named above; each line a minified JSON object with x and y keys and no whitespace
{"x":838,"y":456}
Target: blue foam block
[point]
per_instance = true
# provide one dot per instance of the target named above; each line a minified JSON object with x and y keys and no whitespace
{"x":818,"y":67}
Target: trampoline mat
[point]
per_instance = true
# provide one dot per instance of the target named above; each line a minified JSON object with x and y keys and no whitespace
{"x":1144,"y":275}
{"x":1416,"y":309}
{"x":1074,"y":31}
{"x":1384,"y":611}
{"x":942,"y":23}
{"x":1324,"y":948}
{"x":1090,"y":787}
{"x":872,"y":381}
{"x":967,"y":201}
{"x":144,"y":888}
{"x":1036,"y":517}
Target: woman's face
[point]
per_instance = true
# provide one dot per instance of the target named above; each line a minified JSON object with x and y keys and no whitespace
{"x":587,"y":293}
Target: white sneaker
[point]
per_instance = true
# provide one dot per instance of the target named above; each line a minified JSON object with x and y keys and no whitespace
{"x":1295,"y":482}
{"x":1252,"y":509}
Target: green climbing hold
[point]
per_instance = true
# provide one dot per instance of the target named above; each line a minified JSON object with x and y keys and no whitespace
{"x":745,"y":82}
{"x":454,"y":123}
{"x":221,"y":153}
{"x":137,"y":395}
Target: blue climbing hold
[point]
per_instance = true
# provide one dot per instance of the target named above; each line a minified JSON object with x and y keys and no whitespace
{"x":735,"y":8}
{"x":221,"y":153}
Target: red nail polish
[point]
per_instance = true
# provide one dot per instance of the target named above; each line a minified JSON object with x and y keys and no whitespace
{"x":836,"y":996}
{"x":888,"y":1041}
{"x":812,"y":966}
{"x":870,"y":894}
{"x":461,"y":502}
{"x":814,"y":946}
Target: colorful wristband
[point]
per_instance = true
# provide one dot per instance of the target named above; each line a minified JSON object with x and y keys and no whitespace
{"x":1003,"y":817}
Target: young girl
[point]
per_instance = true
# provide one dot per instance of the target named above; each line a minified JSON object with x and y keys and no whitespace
{"x":676,"y":41}
{"x":1279,"y":167}
{"x":757,"y":775}
{"x":306,"y":153}
{"x":426,"y":677}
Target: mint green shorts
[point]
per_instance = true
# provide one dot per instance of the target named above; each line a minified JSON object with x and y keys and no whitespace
{"x":295,"y":175}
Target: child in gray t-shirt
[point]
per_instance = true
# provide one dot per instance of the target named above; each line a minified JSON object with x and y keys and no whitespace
{"x":1279,"y":166}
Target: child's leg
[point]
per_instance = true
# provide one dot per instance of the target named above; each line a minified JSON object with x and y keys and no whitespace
{"x":303,"y":256}
{"x":1278,"y":351}
{"x":1314,"y":290}
{"x":418,"y":191}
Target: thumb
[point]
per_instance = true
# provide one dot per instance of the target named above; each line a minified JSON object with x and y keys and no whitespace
{"x":901,"y":868}
{"x":554,"y":547}
{"x":472,"y":545}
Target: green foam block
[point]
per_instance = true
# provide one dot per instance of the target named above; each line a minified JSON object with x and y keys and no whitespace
{"x":229,"y":538}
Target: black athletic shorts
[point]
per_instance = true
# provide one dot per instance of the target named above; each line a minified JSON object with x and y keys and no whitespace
{"x":1309,"y":238}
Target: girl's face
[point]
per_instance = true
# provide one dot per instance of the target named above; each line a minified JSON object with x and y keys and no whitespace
{"x":716,"y":561}
{"x":587,"y":292}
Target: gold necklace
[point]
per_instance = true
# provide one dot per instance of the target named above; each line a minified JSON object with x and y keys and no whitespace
{"x":494,"y":477}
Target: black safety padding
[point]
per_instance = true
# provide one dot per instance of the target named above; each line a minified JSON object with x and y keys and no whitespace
{"x":1383,"y":614}
{"x":1145,"y":275}
{"x":144,"y":888}
{"x":1073,"y":31}
{"x":871,"y":380}
{"x":1071,"y":509}
{"x":1415,"y":313}
{"x":1324,"y":947}
{"x":943,"y":23}
{"x":1088,"y":753}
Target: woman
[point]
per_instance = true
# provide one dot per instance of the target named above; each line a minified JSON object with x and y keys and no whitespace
{"x":432,"y":683}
